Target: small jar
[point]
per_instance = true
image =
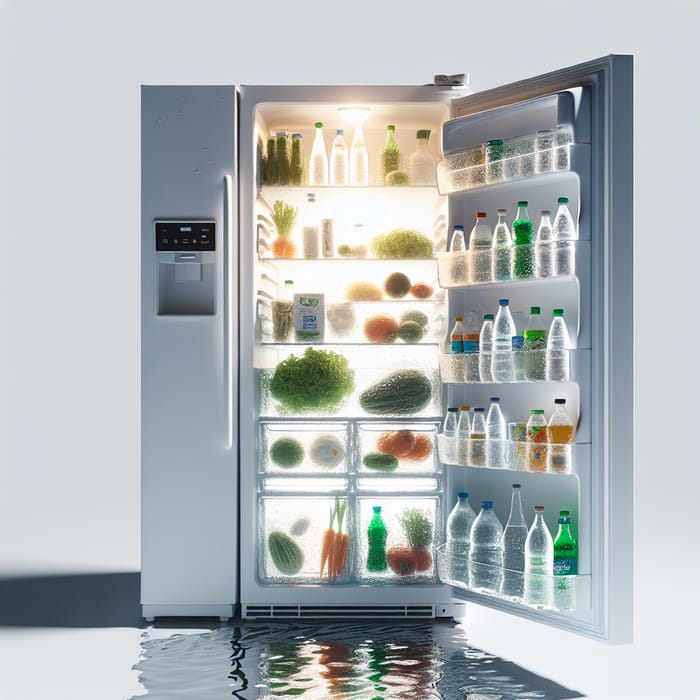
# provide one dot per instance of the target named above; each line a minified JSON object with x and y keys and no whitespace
{"x":297,"y":161}
{"x":494,"y":158}
{"x":544,"y":143}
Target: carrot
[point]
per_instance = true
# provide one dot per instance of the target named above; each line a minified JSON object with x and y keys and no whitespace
{"x":327,"y":544}
{"x":339,"y":550}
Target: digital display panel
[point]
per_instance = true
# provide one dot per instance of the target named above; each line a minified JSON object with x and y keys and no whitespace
{"x":189,"y":236}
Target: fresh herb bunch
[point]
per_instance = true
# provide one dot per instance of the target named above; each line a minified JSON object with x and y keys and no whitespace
{"x":284,"y":216}
{"x":418,"y":528}
{"x":402,"y":243}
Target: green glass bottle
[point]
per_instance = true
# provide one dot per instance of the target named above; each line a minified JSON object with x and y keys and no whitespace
{"x":523,"y":254}
{"x":376,"y":540}
{"x":271,"y":166}
{"x":565,"y":550}
{"x":297,"y":162}
{"x":390,"y":153}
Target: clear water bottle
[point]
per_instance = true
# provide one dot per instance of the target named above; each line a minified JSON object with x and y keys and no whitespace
{"x":359,"y":161}
{"x":464,"y":428}
{"x":514,"y":536}
{"x":536,"y":441}
{"x":471,"y":347}
{"x":539,"y":562}
{"x":561,"y":434}
{"x":459,"y":525}
{"x":564,"y":234}
{"x":535,"y":346}
{"x":449,"y":436}
{"x":502,"y":249}
{"x":486,"y":349}
{"x":457,"y":336}
{"x":557,"y":353}
{"x":502,"y":367}
{"x":449,"y":424}
{"x":523,"y":254}
{"x":457,"y":244}
{"x":339,"y":167}
{"x":476,"y":449}
{"x":311,"y":228}
{"x":318,"y":163}
{"x":422,"y":164}
{"x":480,"y":242}
{"x":496,"y":435}
{"x":519,"y":357}
{"x":544,"y":255}
{"x":486,"y":551}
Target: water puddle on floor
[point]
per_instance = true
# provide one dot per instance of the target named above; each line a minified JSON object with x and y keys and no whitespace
{"x":321,"y":661}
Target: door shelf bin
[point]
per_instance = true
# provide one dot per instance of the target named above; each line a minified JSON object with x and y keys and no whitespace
{"x":565,"y":594}
{"x":502,"y":454}
{"x":304,"y":448}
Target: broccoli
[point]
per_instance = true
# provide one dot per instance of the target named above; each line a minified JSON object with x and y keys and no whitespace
{"x":402,"y":243}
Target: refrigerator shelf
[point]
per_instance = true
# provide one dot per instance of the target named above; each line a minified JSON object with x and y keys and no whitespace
{"x":559,"y":594}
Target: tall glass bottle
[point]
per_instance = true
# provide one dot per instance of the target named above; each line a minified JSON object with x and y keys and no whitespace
{"x":502,"y":365}
{"x":523,"y":254}
{"x":359,"y":162}
{"x":318,"y":163}
{"x":496,"y":434}
{"x":557,"y":353}
{"x":376,"y":542}
{"x":502,"y":249}
{"x":486,"y":349}
{"x":564,"y":234}
{"x":389,"y":159}
{"x":565,"y":565}
{"x":422,"y":165}
{"x":339,"y":168}
{"x":514,"y":536}
{"x":311,"y":228}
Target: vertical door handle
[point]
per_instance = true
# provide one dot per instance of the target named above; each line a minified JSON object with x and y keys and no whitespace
{"x":228,"y":309}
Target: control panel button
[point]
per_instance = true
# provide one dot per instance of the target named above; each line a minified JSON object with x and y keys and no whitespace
{"x":185,"y":235}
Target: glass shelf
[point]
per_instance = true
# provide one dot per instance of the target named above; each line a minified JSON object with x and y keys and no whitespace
{"x":564,"y":594}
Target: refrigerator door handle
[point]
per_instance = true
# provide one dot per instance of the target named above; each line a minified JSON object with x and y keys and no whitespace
{"x":228,"y":308}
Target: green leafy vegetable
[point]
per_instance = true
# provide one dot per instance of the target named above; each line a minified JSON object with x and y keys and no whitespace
{"x":402,"y":243}
{"x":418,"y":528}
{"x":319,"y":380}
{"x":284,"y":215}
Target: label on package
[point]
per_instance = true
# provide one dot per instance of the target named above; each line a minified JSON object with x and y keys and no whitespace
{"x":309,"y":318}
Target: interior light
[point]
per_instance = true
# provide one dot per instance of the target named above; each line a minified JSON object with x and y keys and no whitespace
{"x":354,"y":114}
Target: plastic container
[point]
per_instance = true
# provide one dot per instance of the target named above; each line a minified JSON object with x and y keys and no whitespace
{"x":494,"y":160}
{"x":486,"y":550}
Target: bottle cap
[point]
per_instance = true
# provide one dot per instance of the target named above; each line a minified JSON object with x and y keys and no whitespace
{"x":522,"y":203}
{"x":495,"y":142}
{"x":486,"y":504}
{"x":545,"y":212}
{"x":459,"y":318}
{"x":390,"y":127}
{"x":377,"y":509}
{"x":478,"y":410}
{"x":423,"y":134}
{"x":481,"y":215}
{"x":488,"y":317}
{"x":459,"y":228}
{"x":464,"y":407}
{"x":495,"y":399}
{"x":503,"y":302}
{"x":318,"y":125}
{"x":296,"y":136}
{"x":516,"y":486}
{"x":289,"y":281}
{"x":462,"y":494}
{"x":563,"y":200}
{"x":501,"y":212}
{"x":539,"y":509}
{"x":453,"y":409}
{"x":339,"y":132}
{"x":537,"y":411}
{"x":559,"y":401}
{"x":563,"y":513}
{"x":558,"y":312}
{"x":534,"y":309}
{"x":281,"y":134}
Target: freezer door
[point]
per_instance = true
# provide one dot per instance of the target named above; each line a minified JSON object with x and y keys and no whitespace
{"x":188,"y":351}
{"x":586,"y":111}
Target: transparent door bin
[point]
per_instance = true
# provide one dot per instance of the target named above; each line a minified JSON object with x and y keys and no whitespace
{"x":407,"y":554}
{"x":530,"y":366}
{"x":540,"y":591}
{"x":397,"y":449}
{"x":504,"y":454}
{"x":401,"y":393}
{"x":292,"y":537}
{"x":301,"y":448}
{"x":461,"y":171}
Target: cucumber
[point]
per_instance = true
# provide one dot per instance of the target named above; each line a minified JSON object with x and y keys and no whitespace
{"x":285,"y":553}
{"x":380,"y":462}
{"x":399,"y":393}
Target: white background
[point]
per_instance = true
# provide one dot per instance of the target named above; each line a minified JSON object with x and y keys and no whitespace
{"x":69,"y":271}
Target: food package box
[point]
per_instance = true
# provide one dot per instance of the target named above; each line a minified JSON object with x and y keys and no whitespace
{"x":309,"y":318}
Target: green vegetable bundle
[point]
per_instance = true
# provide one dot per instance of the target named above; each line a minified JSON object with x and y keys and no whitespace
{"x":319,"y":381}
{"x":402,"y":243}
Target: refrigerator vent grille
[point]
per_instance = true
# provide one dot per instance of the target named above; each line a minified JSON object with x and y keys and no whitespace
{"x":338,"y":611}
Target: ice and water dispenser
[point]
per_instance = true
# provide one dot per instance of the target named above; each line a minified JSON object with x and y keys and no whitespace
{"x":186,"y":256}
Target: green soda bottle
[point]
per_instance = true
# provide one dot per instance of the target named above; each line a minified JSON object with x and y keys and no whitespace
{"x":565,"y":549}
{"x":376,"y":539}
{"x":523,"y":253}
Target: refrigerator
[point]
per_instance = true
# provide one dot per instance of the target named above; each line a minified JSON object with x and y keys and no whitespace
{"x":245,"y":472}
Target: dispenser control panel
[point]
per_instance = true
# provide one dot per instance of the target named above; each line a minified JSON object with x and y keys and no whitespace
{"x":190,"y":236}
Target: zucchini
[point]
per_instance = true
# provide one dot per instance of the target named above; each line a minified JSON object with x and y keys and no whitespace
{"x":399,"y":393}
{"x":285,"y":553}
{"x":380,"y":462}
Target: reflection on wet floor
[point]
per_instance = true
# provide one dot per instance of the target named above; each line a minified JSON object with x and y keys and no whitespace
{"x":316,"y":661}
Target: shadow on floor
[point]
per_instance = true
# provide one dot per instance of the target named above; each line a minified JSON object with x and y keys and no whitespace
{"x":72,"y":600}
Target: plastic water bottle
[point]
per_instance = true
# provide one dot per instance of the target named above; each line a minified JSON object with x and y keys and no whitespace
{"x":458,"y":262}
{"x":480,"y":242}
{"x":422,"y":165}
{"x":561,"y":433}
{"x":565,"y":565}
{"x":535,"y":344}
{"x":459,"y":525}
{"x":539,"y":562}
{"x":457,"y":336}
{"x":502,"y":368}
{"x":457,"y":244}
{"x":449,"y":435}
{"x":476,"y":449}
{"x":564,"y":234}
{"x":486,"y":551}
{"x":519,"y":357}
{"x":359,"y":161}
{"x":311,"y":228}
{"x":557,"y":353}
{"x":339,"y":167}
{"x":514,"y":536}
{"x":544,"y":255}
{"x":318,"y":163}
{"x":502,"y":249}
{"x":471,"y":347}
{"x":496,"y":435}
{"x":523,"y":254}
{"x":536,"y":439}
{"x":486,"y":348}
{"x":464,"y":429}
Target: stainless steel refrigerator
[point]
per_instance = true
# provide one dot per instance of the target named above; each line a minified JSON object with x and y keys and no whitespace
{"x":242,"y":478}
